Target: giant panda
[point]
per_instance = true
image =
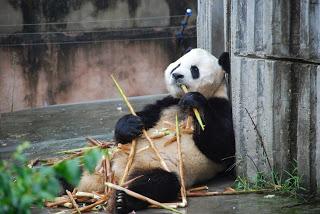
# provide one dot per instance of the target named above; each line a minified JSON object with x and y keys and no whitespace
{"x":205,"y":152}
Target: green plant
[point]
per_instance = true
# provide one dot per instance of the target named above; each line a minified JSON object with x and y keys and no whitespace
{"x":289,"y":184}
{"x":21,"y":186}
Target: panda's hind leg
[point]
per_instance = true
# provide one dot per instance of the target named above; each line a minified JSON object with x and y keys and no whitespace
{"x":156,"y":184}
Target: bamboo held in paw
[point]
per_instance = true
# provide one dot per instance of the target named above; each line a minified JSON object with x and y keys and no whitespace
{"x":183,"y":188}
{"x":141,"y":197}
{"x":164,"y":165}
{"x":196,"y":112}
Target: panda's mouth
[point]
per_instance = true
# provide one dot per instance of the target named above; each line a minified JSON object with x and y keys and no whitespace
{"x":179,"y":85}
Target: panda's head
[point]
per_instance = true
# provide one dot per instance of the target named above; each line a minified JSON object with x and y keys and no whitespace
{"x":199,"y":71}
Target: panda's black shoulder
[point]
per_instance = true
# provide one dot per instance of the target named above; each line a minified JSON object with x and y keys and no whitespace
{"x":150,"y":114}
{"x":217,"y":141}
{"x":220,"y":105}
{"x":162,"y":103}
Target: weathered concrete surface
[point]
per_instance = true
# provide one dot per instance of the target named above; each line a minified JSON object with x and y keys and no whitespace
{"x":281,"y":97}
{"x":78,"y":73}
{"x":210,"y":26}
{"x":276,"y":29}
{"x":275,"y":76}
{"x":63,"y":127}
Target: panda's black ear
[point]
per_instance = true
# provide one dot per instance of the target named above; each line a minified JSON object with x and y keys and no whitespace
{"x":187,"y":50}
{"x":224,"y":61}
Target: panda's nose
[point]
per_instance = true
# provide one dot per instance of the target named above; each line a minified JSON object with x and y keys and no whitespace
{"x":177,"y":76}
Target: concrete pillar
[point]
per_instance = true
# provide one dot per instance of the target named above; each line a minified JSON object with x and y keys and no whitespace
{"x":275,"y":77}
{"x":210,"y":31}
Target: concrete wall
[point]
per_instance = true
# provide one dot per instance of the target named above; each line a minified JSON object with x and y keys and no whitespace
{"x":275,"y":76}
{"x":210,"y":26}
{"x":55,"y":52}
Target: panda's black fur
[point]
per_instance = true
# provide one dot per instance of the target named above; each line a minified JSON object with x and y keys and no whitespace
{"x":215,"y":143}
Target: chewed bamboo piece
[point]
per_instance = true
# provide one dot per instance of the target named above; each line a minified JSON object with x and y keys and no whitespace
{"x":163,"y":164}
{"x":181,"y":172}
{"x":196,"y":112}
{"x":141,"y":197}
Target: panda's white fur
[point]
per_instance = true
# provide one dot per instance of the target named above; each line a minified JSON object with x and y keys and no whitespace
{"x":197,"y":166}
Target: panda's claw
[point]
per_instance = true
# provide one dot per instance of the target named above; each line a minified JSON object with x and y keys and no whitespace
{"x":121,"y":207}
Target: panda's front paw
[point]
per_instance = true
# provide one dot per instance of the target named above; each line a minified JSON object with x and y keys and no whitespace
{"x":128,"y":128}
{"x":121,"y":203}
{"x":193,"y":100}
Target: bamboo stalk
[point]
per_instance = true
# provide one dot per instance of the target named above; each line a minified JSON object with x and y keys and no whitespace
{"x":68,"y":205}
{"x":33,"y":162}
{"x":89,"y":207}
{"x":105,"y":173}
{"x":88,"y":195}
{"x":196,"y":112}
{"x":182,"y":130}
{"x":125,"y":184}
{"x":66,"y":158}
{"x":171,"y":125}
{"x":201,"y":194}
{"x":109,"y":173}
{"x":73,"y":201}
{"x":93,"y":141}
{"x":171,"y":140}
{"x":141,"y":197}
{"x":56,"y":203}
{"x":201,"y":188}
{"x":75,"y":190}
{"x":172,"y":205}
{"x":181,"y":172}
{"x":158,"y":135}
{"x":187,"y":131}
{"x":164,"y":165}
{"x":129,"y":163}
{"x":142,"y":149}
{"x":188,"y":123}
{"x":78,"y":149}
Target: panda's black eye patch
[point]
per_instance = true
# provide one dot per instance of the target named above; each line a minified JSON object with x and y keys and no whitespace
{"x":195,"y":72}
{"x":175,"y":68}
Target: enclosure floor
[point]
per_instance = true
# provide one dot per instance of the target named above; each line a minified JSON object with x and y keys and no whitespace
{"x":251,"y":203}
